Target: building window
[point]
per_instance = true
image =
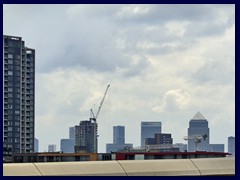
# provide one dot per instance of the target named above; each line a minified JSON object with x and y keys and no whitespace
{"x":10,"y":67}
{"x":9,"y":100}
{"x":10,"y":56}
{"x":10,"y":73}
{"x":10,"y":61}
{"x":17,"y":112}
{"x":17,"y":73}
{"x":17,"y":56}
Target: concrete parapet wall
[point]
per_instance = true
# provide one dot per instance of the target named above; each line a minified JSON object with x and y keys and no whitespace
{"x":164,"y":167}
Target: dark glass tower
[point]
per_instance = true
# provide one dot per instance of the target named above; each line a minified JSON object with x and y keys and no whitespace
{"x":118,"y":134}
{"x":18,"y":96}
{"x":198,"y":125}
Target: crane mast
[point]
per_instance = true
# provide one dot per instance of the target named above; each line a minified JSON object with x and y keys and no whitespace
{"x":93,"y":116}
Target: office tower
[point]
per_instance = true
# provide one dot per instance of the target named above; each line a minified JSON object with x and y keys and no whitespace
{"x":118,"y":140}
{"x":231,"y":145}
{"x":148,"y":129}
{"x":72,"y":133}
{"x":216,"y":147}
{"x":198,"y":125}
{"x":86,"y":137}
{"x":118,"y":134}
{"x":52,"y":148}
{"x":18,"y":96}
{"x":67,"y":145}
{"x":36,"y":145}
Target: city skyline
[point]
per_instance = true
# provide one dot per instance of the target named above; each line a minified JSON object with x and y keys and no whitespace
{"x":164,"y":63}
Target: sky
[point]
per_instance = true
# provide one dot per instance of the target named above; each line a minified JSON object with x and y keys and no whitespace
{"x":163,"y":63}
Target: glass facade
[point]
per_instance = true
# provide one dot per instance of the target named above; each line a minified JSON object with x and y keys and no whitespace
{"x":118,"y":134}
{"x":148,"y":130}
{"x":198,"y":125}
{"x":231,"y":145}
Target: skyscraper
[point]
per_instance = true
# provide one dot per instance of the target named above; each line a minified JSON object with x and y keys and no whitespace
{"x":231,"y":145}
{"x":118,"y":140}
{"x":198,"y":125}
{"x":86,"y":137}
{"x":148,"y":129}
{"x":18,"y":96}
{"x":118,"y":134}
{"x":72,"y":133}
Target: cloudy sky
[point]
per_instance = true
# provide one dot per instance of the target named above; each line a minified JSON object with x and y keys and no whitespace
{"x":163,"y":62}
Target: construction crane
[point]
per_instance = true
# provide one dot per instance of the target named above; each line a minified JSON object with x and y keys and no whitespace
{"x":93,"y":117}
{"x":197,"y":139}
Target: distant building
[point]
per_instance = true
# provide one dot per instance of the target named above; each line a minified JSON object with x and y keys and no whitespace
{"x":52,"y":148}
{"x":148,"y":129}
{"x":160,"y":138}
{"x":86,"y":137}
{"x":198,"y":125}
{"x":18,"y":96}
{"x":67,"y":145}
{"x":118,"y":134}
{"x":216,"y":147}
{"x":162,"y":142}
{"x":182,"y":147}
{"x":231,"y":145}
{"x":36,"y":145}
{"x":72,"y":133}
{"x":118,"y":140}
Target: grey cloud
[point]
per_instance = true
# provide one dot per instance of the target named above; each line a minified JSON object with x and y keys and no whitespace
{"x":138,"y":68}
{"x":215,"y":72}
{"x":163,"y":13}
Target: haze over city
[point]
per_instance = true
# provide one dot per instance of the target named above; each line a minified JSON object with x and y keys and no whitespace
{"x":163,"y":62}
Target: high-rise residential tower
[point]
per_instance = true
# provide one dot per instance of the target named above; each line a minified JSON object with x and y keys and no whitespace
{"x":231,"y":145}
{"x":18,"y":96}
{"x":198,"y":125}
{"x":118,"y":140}
{"x":86,"y":137}
{"x":148,"y":130}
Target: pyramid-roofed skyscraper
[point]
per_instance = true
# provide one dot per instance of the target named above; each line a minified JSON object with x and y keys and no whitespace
{"x":198,"y":125}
